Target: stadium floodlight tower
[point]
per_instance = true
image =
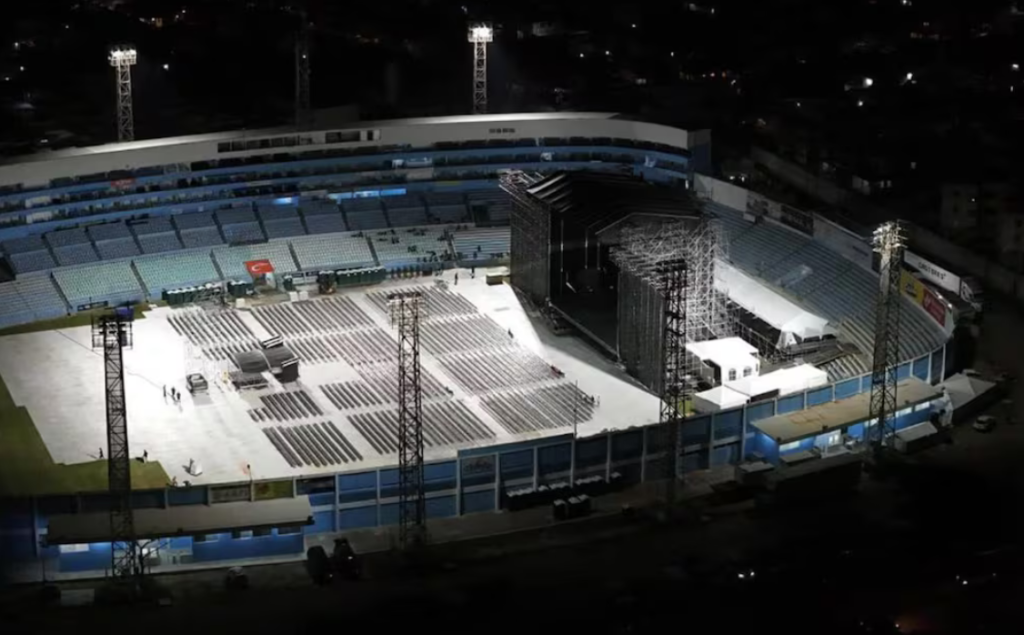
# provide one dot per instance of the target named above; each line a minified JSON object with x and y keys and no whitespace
{"x":112,"y":333}
{"x":412,"y":507}
{"x":480,"y":35}
{"x":122,"y":58}
{"x":890,"y":243}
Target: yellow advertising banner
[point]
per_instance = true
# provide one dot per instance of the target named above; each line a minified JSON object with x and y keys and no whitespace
{"x":912,"y":287}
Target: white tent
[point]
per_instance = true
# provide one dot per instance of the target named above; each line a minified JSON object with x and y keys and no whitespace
{"x":768,"y":305}
{"x":787,"y":381}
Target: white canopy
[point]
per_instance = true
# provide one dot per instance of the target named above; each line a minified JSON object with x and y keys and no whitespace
{"x":768,"y":305}
{"x":739,"y":392}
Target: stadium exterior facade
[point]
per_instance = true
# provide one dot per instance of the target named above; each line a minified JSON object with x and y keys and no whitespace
{"x":445,"y":155}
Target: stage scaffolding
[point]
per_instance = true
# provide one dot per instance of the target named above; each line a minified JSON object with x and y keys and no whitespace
{"x":530,"y":238}
{"x":641,"y":307}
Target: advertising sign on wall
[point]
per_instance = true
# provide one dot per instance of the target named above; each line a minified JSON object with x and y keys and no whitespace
{"x":923,"y":297}
{"x":934,"y":307}
{"x":761,"y":206}
{"x":230,"y":494}
{"x":845,"y":243}
{"x":797,"y":219}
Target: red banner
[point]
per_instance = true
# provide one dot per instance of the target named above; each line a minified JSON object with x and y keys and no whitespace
{"x":122,"y":184}
{"x":258,"y":268}
{"x":934,"y":306}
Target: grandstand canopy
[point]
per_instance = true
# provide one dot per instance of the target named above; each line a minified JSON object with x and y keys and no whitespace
{"x":804,"y":424}
{"x":186,"y":520}
{"x":768,"y":305}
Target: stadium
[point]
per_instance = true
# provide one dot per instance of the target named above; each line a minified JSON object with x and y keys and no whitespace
{"x":264,"y":261}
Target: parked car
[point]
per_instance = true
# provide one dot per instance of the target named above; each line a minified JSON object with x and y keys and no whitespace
{"x":984,"y":423}
{"x":196,"y":383}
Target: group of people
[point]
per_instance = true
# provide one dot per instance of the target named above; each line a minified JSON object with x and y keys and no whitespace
{"x":175,"y":394}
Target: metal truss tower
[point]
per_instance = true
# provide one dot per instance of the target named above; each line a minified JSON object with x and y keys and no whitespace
{"x":302,"y":72}
{"x":530,"y":237}
{"x":113,"y":333}
{"x":657,"y":259}
{"x":412,"y":513}
{"x":707,"y":309}
{"x":890,"y":243}
{"x":122,"y":58}
{"x":480,"y":35}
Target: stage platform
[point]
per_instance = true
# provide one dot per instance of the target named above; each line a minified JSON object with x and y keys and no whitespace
{"x":483,"y":386}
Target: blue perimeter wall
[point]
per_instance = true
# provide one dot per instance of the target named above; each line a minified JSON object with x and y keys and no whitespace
{"x":471,"y":483}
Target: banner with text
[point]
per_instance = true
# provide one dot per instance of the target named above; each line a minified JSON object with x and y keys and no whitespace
{"x":924,"y":297}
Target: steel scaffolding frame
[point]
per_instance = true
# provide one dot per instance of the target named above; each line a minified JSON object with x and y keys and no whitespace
{"x":406,"y":313}
{"x":112,"y":333}
{"x":655,"y":276}
{"x":890,"y":243}
{"x":480,"y":35}
{"x":530,"y":238}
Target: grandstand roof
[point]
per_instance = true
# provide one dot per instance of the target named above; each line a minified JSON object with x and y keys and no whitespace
{"x":811,"y":422}
{"x":145,"y":144}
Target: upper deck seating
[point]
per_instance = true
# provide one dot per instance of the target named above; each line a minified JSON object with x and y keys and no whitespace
{"x":334,"y":251}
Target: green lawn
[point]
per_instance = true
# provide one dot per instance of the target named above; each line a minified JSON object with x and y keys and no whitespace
{"x":27,"y":468}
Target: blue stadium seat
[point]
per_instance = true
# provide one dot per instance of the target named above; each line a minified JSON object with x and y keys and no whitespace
{"x":481,"y":243}
{"x":159,"y":243}
{"x":29,"y":261}
{"x":326,"y":223}
{"x":108,"y":231}
{"x":194,"y":220}
{"x":174,"y":270}
{"x":24,"y":245}
{"x":235,"y":215}
{"x":111,"y":282}
{"x":243,"y":232}
{"x":232,"y":259}
{"x":65,"y":237}
{"x":284,"y":228}
{"x":71,"y":255}
{"x":201,"y":237}
{"x":152,"y":225}
{"x":117,"y":248}
{"x":335,"y":251}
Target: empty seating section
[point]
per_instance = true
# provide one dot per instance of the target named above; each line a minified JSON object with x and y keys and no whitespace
{"x":117,"y":248}
{"x":326,"y":223}
{"x":29,"y":299}
{"x":159,"y":243}
{"x":111,"y":282}
{"x":417,"y":245}
{"x":23,"y":245}
{"x":201,"y":237}
{"x":12,"y":309}
{"x":365,"y":213}
{"x":64,"y":237}
{"x":489,"y":205}
{"x":154,"y":225}
{"x":444,"y":424}
{"x":30,"y":261}
{"x":108,"y":231}
{"x":447,"y":207}
{"x":41,"y":297}
{"x":318,"y":444}
{"x":236,"y":215}
{"x":525,"y":411}
{"x":194,"y":220}
{"x":482,"y":243}
{"x":406,"y":211}
{"x":243,"y":233}
{"x":232,"y":259}
{"x":337,"y":251}
{"x":282,"y":221}
{"x":179,"y":269}
{"x":75,"y":255}
{"x":828,"y":285}
{"x":284,"y":228}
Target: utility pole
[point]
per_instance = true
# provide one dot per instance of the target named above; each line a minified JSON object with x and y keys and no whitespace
{"x":480,"y":35}
{"x":122,"y":58}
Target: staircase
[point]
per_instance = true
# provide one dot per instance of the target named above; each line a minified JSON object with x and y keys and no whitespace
{"x":60,"y":292}
{"x":138,"y":278}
